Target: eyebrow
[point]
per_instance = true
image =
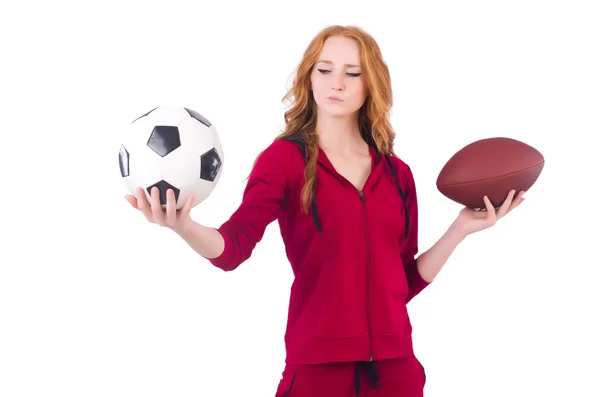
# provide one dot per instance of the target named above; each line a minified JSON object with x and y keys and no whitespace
{"x":346,"y":64}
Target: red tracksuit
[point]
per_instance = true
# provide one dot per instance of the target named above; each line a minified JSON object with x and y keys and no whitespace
{"x":353,"y":259}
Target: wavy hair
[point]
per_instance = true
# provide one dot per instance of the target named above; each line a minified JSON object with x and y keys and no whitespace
{"x":373,"y":119}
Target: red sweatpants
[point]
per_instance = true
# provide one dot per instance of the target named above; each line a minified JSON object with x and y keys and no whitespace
{"x":401,"y":377}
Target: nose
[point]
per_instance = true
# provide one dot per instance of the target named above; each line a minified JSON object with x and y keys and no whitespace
{"x":337,"y":82}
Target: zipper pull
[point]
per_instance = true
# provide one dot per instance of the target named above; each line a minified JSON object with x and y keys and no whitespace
{"x":362,"y":196}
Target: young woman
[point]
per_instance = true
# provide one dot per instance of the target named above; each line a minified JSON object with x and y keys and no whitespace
{"x":347,"y":209}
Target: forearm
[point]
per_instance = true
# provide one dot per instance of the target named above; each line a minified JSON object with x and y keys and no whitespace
{"x":206,"y":241}
{"x":431,"y":262}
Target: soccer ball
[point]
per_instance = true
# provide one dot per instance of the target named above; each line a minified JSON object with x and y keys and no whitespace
{"x":175,"y":148}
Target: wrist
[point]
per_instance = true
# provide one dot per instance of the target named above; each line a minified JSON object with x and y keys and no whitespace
{"x":183,"y":228}
{"x":458,"y":231}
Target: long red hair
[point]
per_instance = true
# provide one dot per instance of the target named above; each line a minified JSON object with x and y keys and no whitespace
{"x":374,"y":123}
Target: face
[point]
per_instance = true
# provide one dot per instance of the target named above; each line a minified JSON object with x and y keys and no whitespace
{"x":338,"y":74}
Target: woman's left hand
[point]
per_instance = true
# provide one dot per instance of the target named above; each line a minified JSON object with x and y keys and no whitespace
{"x":471,"y":221}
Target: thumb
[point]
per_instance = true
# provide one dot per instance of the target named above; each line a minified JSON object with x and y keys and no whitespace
{"x":132,"y":201}
{"x":187,"y":207}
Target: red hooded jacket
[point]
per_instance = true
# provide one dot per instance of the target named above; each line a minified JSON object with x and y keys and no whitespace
{"x":353,"y":255}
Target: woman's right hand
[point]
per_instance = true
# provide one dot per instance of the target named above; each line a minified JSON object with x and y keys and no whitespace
{"x":169,"y":217}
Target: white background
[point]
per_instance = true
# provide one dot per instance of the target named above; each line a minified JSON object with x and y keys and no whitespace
{"x":95,"y":301}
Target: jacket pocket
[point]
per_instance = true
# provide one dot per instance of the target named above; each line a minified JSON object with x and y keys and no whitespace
{"x":422,"y":370}
{"x":286,"y":384}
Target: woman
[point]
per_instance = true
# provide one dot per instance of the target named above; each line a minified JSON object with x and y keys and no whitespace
{"x":347,"y":211}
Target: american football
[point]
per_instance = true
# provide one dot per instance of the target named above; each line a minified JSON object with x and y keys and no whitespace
{"x":492,"y":167}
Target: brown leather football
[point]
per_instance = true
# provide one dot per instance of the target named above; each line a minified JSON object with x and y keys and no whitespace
{"x":491,"y":167}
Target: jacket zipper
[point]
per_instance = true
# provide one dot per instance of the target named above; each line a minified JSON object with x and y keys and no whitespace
{"x":362,"y":198}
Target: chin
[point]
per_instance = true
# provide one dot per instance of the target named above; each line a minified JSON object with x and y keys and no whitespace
{"x":340,"y":114}
{"x":335,"y":111}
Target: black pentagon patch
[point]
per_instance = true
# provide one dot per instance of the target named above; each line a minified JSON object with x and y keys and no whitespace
{"x":198,"y":117}
{"x":210,"y":164}
{"x":162,"y":188}
{"x":164,"y":139}
{"x":144,"y":115}
{"x":124,"y":161}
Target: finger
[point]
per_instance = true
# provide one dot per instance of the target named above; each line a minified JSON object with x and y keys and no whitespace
{"x":157,"y":210}
{"x":491,"y":211}
{"x":187,"y":207}
{"x":132,"y":201}
{"x":144,"y":205}
{"x":518,"y":200}
{"x":171,"y":215}
{"x":506,"y":204}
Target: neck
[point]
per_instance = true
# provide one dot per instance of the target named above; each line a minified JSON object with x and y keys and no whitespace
{"x":340,"y":134}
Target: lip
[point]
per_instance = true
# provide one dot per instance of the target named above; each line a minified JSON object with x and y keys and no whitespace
{"x":334,"y":98}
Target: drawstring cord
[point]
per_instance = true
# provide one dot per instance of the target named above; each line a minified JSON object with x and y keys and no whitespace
{"x":372,"y":371}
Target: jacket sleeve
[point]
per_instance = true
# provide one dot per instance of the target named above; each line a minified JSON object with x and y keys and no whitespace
{"x":261,"y":204}
{"x":410,"y":246}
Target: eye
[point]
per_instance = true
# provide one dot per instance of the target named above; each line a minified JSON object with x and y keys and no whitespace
{"x":324,"y":71}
